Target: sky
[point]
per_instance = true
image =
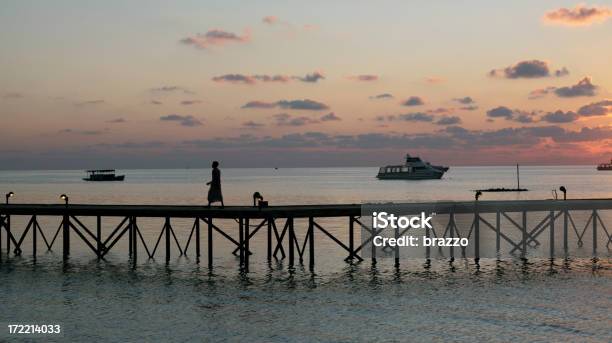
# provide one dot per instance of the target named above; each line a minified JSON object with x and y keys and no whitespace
{"x":158,"y":84}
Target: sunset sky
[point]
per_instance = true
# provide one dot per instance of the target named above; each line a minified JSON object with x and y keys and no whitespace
{"x":127,"y":84}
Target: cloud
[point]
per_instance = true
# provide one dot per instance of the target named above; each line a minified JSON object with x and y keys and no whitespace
{"x":440,"y":110}
{"x":363,"y":77}
{"x":272,"y":78}
{"x":416,"y":116}
{"x":13,"y":95}
{"x":253,"y":79}
{"x":215,"y":37}
{"x":540,"y":93}
{"x":188,"y":120}
{"x":469,"y":108}
{"x":305,"y":104}
{"x":434,"y":80}
{"x":451,"y":137}
{"x":559,"y":117}
{"x":284,"y":119}
{"x":600,"y":108}
{"x":577,"y":16}
{"x":235,"y":78}
{"x":448,"y":120}
{"x":190,"y":102}
{"x":89,"y":102}
{"x":259,"y":104}
{"x":512,"y":115}
{"x":524,"y":117}
{"x":171,"y":89}
{"x":381,"y":96}
{"x":252,"y":125}
{"x":528,"y":70}
{"x":116,"y":121}
{"x":132,"y":145}
{"x":155,"y":102}
{"x":465,"y":100}
{"x":500,"y":112}
{"x":584,"y":87}
{"x":84,"y":132}
{"x":413,"y":101}
{"x":270,"y":19}
{"x":331,"y":116}
{"x":311,"y":78}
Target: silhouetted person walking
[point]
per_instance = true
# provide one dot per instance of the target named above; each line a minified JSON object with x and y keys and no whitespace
{"x":214,"y":193}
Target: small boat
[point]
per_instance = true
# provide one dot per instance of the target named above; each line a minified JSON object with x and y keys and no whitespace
{"x":103,"y":175}
{"x":413,"y":169}
{"x":605,"y":166}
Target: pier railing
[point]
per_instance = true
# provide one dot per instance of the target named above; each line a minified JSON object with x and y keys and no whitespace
{"x":510,"y":224}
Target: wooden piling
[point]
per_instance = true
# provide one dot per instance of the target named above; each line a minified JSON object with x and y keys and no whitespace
{"x":246,"y":244}
{"x":99,"y":251}
{"x":552,"y":234}
{"x":197,"y":238}
{"x":351,"y":237}
{"x":34,"y":229}
{"x":210,"y":243}
{"x":269,"y":252}
{"x":594,"y":233}
{"x":311,"y":246}
{"x":291,"y":243}
{"x":241,"y":241}
{"x":66,"y":236}
{"x":167,"y":228}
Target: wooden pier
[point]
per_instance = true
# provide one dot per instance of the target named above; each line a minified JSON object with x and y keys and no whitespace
{"x":277,"y":223}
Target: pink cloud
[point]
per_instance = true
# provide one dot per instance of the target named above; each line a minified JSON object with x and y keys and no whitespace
{"x":434,"y":79}
{"x":216,"y":37}
{"x":363,"y":77}
{"x":578,"y":16}
{"x":270,"y":19}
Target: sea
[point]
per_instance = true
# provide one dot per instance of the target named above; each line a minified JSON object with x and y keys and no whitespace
{"x":507,"y":300}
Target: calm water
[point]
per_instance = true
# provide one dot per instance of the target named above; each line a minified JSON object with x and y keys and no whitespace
{"x":502,"y":301}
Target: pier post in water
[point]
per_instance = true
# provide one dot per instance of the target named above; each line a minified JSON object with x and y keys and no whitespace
{"x":241,"y":241}
{"x":269,"y":222}
{"x":7,"y":226}
{"x":351,"y":237}
{"x":197,"y":238}
{"x":552,"y":234}
{"x":66,"y":236}
{"x":130,"y":236}
{"x":565,"y":225}
{"x":477,"y":237}
{"x":291,"y":239}
{"x":210,"y":243}
{"x":34,"y":229}
{"x":246,"y":243}
{"x":134,"y":240}
{"x":311,"y":258}
{"x":99,"y":236}
{"x":524,"y":236}
{"x":594,"y":233}
{"x":167,"y":228}
{"x":498,"y":233}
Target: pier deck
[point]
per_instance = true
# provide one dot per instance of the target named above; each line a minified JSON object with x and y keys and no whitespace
{"x":282,"y":241}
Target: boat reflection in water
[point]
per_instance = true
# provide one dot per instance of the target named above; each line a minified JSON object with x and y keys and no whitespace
{"x":414,"y":169}
{"x":103,"y":175}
